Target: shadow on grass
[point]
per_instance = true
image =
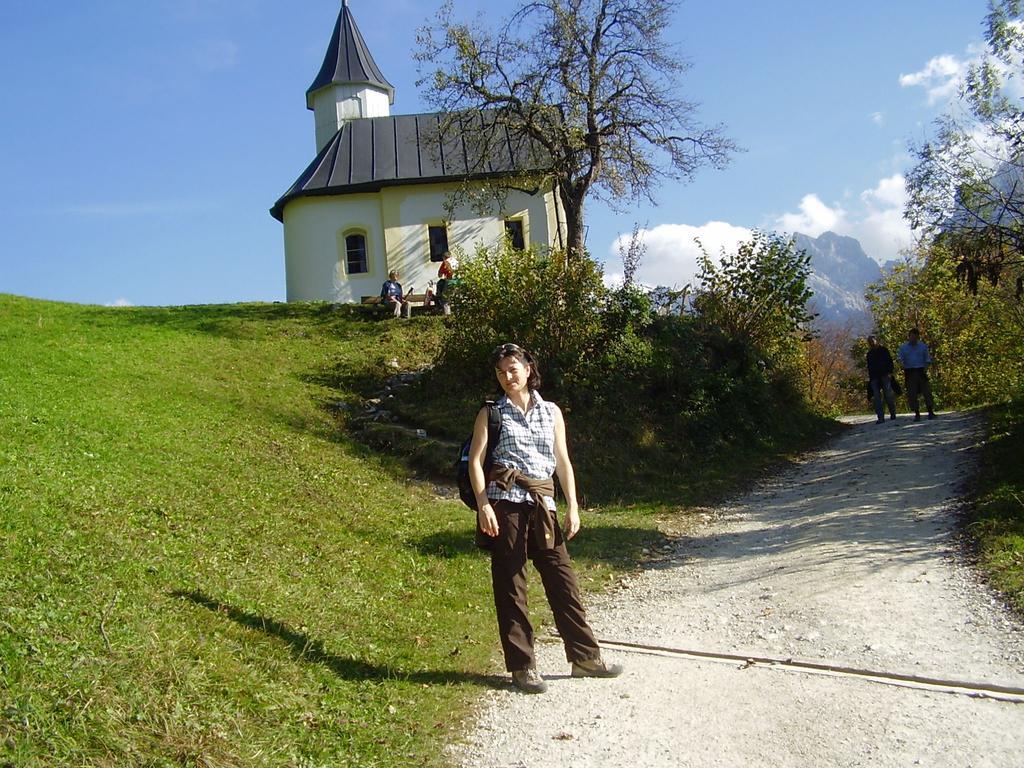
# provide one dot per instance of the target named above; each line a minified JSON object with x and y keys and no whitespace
{"x":305,"y":648}
{"x":366,"y":382}
{"x":616,"y":545}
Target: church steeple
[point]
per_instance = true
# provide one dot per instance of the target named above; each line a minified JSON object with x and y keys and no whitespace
{"x":349,"y":85}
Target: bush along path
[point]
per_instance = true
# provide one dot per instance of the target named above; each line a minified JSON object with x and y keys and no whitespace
{"x":845,"y":571}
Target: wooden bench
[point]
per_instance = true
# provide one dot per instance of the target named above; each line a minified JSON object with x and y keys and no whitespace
{"x":412,"y":298}
{"x":415,"y":300}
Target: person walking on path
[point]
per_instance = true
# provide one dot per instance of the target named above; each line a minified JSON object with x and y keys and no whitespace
{"x":391,"y":294}
{"x":915,"y":359}
{"x":880,"y":369}
{"x":517,"y":520}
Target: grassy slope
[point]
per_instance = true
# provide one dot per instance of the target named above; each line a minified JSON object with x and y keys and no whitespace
{"x":270,"y":593}
{"x":199,"y":568}
{"x":996,"y":504}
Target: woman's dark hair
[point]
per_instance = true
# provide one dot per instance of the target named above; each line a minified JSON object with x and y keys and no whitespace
{"x":514,"y":350}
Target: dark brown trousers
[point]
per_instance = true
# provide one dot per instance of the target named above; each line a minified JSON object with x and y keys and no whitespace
{"x":509,"y":552}
{"x":917,"y":385}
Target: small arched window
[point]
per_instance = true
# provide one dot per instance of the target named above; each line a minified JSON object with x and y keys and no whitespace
{"x":355,"y":253}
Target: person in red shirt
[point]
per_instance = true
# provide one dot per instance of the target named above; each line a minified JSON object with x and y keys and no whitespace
{"x":445,"y":273}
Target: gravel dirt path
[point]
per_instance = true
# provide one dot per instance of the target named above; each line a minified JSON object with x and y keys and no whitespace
{"x":849,"y":558}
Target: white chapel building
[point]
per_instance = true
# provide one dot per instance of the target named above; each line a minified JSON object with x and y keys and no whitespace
{"x":373,"y":199}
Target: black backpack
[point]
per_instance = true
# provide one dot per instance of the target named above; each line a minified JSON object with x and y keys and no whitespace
{"x":462,"y":463}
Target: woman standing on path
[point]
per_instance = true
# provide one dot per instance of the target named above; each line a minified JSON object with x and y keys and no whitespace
{"x":517,"y":511}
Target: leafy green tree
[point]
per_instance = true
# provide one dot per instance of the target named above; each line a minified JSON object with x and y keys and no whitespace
{"x":967,"y":187}
{"x":586,"y":90}
{"x":541,"y":299}
{"x":757,"y":295}
{"x":976,"y":339}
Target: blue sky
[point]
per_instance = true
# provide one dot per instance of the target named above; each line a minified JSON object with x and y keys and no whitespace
{"x":142,"y":143}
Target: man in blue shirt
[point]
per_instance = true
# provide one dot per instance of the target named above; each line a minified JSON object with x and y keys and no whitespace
{"x":913,"y":356}
{"x":391,"y":294}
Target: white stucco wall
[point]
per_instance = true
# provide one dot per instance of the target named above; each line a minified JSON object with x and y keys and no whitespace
{"x":395,"y":221}
{"x":408,"y":211}
{"x":314,"y":229}
{"x":335,"y":104}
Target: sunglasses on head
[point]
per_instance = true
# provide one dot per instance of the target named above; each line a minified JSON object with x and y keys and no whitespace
{"x":507,"y":349}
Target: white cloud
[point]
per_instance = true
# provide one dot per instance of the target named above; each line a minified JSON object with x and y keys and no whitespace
{"x":989,"y":150}
{"x":122,"y":302}
{"x":672,"y":250}
{"x":813,"y":218}
{"x":881,"y":228}
{"x":878,"y":118}
{"x":876,"y":220}
{"x":883,"y":234}
{"x":940,"y":77}
{"x":890,"y":192}
{"x":614,"y":279}
{"x":943,"y":76}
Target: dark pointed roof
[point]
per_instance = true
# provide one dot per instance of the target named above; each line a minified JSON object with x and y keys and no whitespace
{"x":370,"y":153}
{"x":348,"y":60}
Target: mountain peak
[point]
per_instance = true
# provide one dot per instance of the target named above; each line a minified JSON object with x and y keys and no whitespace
{"x":840,"y":271}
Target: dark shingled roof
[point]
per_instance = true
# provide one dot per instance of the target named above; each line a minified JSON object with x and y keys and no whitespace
{"x":370,"y":153}
{"x":348,"y":60}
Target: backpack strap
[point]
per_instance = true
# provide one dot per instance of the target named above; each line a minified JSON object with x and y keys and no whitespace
{"x":493,"y":429}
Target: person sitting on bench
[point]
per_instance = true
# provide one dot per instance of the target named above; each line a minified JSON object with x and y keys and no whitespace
{"x":391,"y":293}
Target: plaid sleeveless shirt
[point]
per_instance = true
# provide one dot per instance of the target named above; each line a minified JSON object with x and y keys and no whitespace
{"x":527,"y":444}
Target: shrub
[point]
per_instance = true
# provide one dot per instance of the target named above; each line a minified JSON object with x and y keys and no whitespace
{"x":537,"y":298}
{"x":644,"y":391}
{"x":757,"y":295}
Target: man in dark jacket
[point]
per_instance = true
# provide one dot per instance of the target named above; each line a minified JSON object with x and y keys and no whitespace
{"x":880,"y":370}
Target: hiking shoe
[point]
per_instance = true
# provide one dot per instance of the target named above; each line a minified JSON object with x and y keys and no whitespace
{"x":879,"y":421}
{"x":529,"y":681}
{"x":931,"y":416}
{"x":595,"y":668}
{"x":917,"y":417}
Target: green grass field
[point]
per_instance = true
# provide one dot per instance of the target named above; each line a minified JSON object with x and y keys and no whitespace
{"x":201,"y":568}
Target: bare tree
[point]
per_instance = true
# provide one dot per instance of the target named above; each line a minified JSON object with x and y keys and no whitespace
{"x":632,"y":254}
{"x":586,"y":89}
